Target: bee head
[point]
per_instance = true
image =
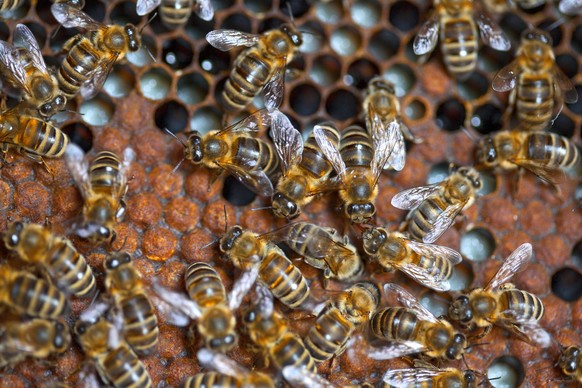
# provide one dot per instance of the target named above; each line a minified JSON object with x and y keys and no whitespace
{"x":228,"y":240}
{"x":486,"y":154}
{"x":457,"y":347}
{"x":284,"y":207}
{"x":12,"y":236}
{"x":536,"y":35}
{"x":373,"y":239}
{"x":116,"y":260}
{"x":472,"y":175}
{"x":194,"y":150}
{"x":460,"y":310}
{"x":133,"y":38}
{"x":62,"y":339}
{"x":294,"y":35}
{"x":379,"y":83}
{"x":569,"y":360}
{"x":360,"y":212}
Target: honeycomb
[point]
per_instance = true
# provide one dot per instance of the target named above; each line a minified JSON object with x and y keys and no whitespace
{"x":174,"y":216}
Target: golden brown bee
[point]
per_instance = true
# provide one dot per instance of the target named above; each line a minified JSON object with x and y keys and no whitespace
{"x":433,"y":208}
{"x":260,"y":66}
{"x":268,"y":330}
{"x":38,"y":338}
{"x":545,"y":154}
{"x":305,"y":168}
{"x":175,"y":13}
{"x":27,"y":294}
{"x":381,"y":96}
{"x":500,"y":303}
{"x":228,"y":373}
{"x":26,"y":68}
{"x":414,"y":329}
{"x":430,"y":265}
{"x":257,"y":256}
{"x":90,"y":56}
{"x":116,"y":363}
{"x":36,"y":244}
{"x":236,"y":150}
{"x":425,"y":375}
{"x":457,"y":21}
{"x":571,"y":363}
{"x":359,"y":162}
{"x":125,"y":284}
{"x":336,"y":323}
{"x":103,"y":185}
{"x":538,"y":86}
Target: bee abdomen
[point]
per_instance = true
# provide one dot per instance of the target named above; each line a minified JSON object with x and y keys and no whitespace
{"x":246,"y":79}
{"x":422,"y":219}
{"x":255,"y":154}
{"x":535,"y":102}
{"x":141,"y":324}
{"x":211,"y":379}
{"x":523,"y":304}
{"x":7,"y":5}
{"x":105,"y":171}
{"x":552,"y":149}
{"x":175,"y":13}
{"x":290,"y":350}
{"x":41,"y":138}
{"x":284,"y":280}
{"x":313,"y":161}
{"x":70,"y":268}
{"x":328,"y":335}
{"x":77,"y":67}
{"x":356,"y":147}
{"x":394,"y":323}
{"x":36,"y":297}
{"x":438,"y":267}
{"x":459,"y":47}
{"x":124,"y":369}
{"x":204,"y":286}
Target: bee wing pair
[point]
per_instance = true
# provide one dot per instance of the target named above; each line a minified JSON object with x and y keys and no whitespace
{"x":287,"y":139}
{"x":570,"y":7}
{"x":202,"y":8}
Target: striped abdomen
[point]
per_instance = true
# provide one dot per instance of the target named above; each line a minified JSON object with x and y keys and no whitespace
{"x":395,"y":323}
{"x":7,"y":5}
{"x":123,"y":369}
{"x":34,"y":296}
{"x":329,"y":335}
{"x":40,"y":138}
{"x":250,"y":72}
{"x":254,"y":154}
{"x":459,"y":46}
{"x":438,"y":267}
{"x":535,"y":100}
{"x":140,"y":327}
{"x":552,"y":150}
{"x":522,"y":303}
{"x":356,"y":147}
{"x":421,"y":220}
{"x":204,"y":285}
{"x":212,"y":380}
{"x":290,"y":350}
{"x":105,"y":174}
{"x":78,"y":66}
{"x":283,"y":279}
{"x":69,"y":268}
{"x":313,"y":162}
{"x":175,"y":13}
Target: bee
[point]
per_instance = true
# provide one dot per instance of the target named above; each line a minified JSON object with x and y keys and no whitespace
{"x":268,"y":330}
{"x":305,"y":168}
{"x":426,"y":375}
{"x":38,"y":338}
{"x":336,"y":323}
{"x":430,"y":265}
{"x":413,"y":329}
{"x":27,"y":294}
{"x":125,"y":284}
{"x":103,"y":185}
{"x":253,"y":253}
{"x":228,"y":373}
{"x":359,"y":163}
{"x":236,"y":150}
{"x":433,"y":208}
{"x":457,"y":21}
{"x":66,"y":266}
{"x":175,"y":13}
{"x":545,"y":154}
{"x":381,"y":95}
{"x":27,"y":69}
{"x":571,"y":363}
{"x":260,"y":66}
{"x":538,"y":86}
{"x":116,"y":363}
{"x":90,"y":57}
{"x":500,"y":303}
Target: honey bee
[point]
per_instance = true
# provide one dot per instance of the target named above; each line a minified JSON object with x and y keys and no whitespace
{"x":337,"y":322}
{"x":27,"y":294}
{"x":66,"y":266}
{"x":545,"y":154}
{"x":433,"y":208}
{"x":457,"y":21}
{"x":38,"y":338}
{"x":236,"y":150}
{"x":125,"y":284}
{"x":175,"y":13}
{"x":268,"y":330}
{"x":254,"y":254}
{"x":430,"y":265}
{"x":305,"y":169}
{"x":426,"y":375}
{"x":500,"y":303}
{"x":103,"y":185}
{"x":27,"y":69}
{"x":381,"y":95}
{"x":538,"y":86}
{"x":90,"y":56}
{"x":571,"y":363}
{"x":116,"y":363}
{"x":359,"y":163}
{"x":260,"y":66}
{"x":228,"y":373}
{"x":414,"y":329}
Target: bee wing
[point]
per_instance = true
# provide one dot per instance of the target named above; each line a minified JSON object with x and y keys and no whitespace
{"x":94,"y":311}
{"x":254,"y":122}
{"x":144,"y":7}
{"x":408,"y":300}
{"x":264,"y":300}
{"x":527,"y":330}
{"x":329,"y":150}
{"x":505,"y":79}
{"x":424,"y":277}
{"x":395,"y":350}
{"x":432,"y":251}
{"x":512,"y":265}
{"x":93,"y":85}
{"x":443,"y":222}
{"x":225,"y":40}
{"x":287,"y":139}
{"x":492,"y":34}
{"x":220,"y":363}
{"x":242,"y":287}
{"x":69,"y":17}
{"x":256,"y":180}
{"x":407,"y":377}
{"x":78,"y":167}
{"x":388,"y":144}
{"x":274,"y":89}
{"x":10,"y":57}
{"x":570,"y":7}
{"x":411,"y":198}
{"x":565,"y":87}
{"x":426,"y":39}
{"x":302,"y":377}
{"x":24,"y":38}
{"x":204,"y":9}
{"x":176,"y":307}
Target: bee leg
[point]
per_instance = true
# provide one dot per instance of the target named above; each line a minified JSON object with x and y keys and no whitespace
{"x":509,"y":110}
{"x":485,"y":331}
{"x":214,"y":175}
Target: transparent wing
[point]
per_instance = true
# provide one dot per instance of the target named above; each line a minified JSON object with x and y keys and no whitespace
{"x":408,"y":377}
{"x":426,"y":39}
{"x":264,"y":300}
{"x":94,"y":312}
{"x":566,"y":89}
{"x":78,"y":167}
{"x":395,"y":350}
{"x":287,"y":139}
{"x":24,"y":38}
{"x":70,"y":17}
{"x":492,"y":34}
{"x":220,"y":363}
{"x":274,"y":89}
{"x":93,"y":85}
{"x":571,"y":7}
{"x":177,"y":303}
{"x":443,"y":222}
{"x":242,"y":287}
{"x":225,"y":40}
{"x":144,"y":7}
{"x":254,"y":122}
{"x":204,"y":9}
{"x":527,"y":330}
{"x":302,"y":377}
{"x":255,"y":180}
{"x":424,"y":277}
{"x":506,"y":78}
{"x":329,"y":150}
{"x":11,"y":59}
{"x":411,"y":198}
{"x":388,"y":144}
{"x":512,"y":265}
{"x":408,"y":300}
{"x":549,"y":174}
{"x":433,"y":251}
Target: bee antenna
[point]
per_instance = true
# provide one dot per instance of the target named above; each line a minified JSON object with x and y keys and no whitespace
{"x":479,"y":344}
{"x":262,"y":208}
{"x":209,"y":244}
{"x":177,"y":166}
{"x":225,"y":220}
{"x":470,"y":134}
{"x":148,"y":21}
{"x":174,"y":136}
{"x":288,"y":4}
{"x":555,"y":24}
{"x":147,"y":50}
